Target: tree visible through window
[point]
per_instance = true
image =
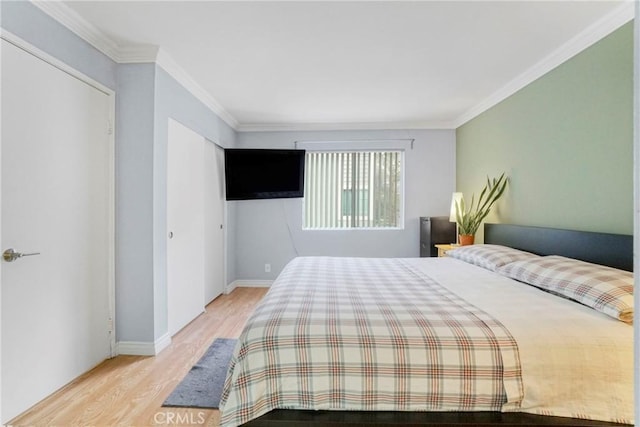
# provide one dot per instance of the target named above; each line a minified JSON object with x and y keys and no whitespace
{"x":353,"y":189}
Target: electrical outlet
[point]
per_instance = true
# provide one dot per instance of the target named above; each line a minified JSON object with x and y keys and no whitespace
{"x":267,"y":268}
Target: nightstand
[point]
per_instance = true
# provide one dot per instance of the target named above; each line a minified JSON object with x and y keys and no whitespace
{"x":443,"y":248}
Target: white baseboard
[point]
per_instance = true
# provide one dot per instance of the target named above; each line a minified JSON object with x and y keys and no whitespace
{"x":247,"y":284}
{"x":140,"y":348}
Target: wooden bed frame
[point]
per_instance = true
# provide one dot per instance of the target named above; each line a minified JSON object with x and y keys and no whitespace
{"x":612,"y":250}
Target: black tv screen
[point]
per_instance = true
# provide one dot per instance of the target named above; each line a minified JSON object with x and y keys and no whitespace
{"x":263,"y":173}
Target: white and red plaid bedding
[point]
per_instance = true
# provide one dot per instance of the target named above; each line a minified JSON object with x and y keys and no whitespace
{"x":368,"y":334}
{"x":604,"y":289}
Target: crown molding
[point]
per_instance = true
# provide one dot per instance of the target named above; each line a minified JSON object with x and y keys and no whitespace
{"x":80,"y":26}
{"x":589,"y":36}
{"x":94,"y":36}
{"x":170,"y":66}
{"x":131,"y":53}
{"x":153,"y":54}
{"x":302,"y":127}
{"x":140,"y":54}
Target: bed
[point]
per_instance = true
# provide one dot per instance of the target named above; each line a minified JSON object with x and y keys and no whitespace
{"x":485,"y":336}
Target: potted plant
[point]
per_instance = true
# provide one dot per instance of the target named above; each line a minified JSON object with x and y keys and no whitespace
{"x":469,"y":217}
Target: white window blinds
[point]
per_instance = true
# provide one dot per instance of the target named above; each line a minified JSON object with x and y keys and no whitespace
{"x":353,"y":189}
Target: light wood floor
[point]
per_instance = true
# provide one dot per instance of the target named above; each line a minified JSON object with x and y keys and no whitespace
{"x":129,"y":390}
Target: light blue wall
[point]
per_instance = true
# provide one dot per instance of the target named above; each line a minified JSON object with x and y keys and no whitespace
{"x":134,"y":202}
{"x":36,"y":27}
{"x":173,"y":101}
{"x":146,"y":96}
{"x":270,"y":231}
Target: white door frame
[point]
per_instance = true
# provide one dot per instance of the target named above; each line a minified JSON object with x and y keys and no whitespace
{"x":29,"y":48}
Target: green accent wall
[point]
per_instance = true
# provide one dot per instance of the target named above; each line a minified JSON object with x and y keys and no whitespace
{"x":566,"y":142}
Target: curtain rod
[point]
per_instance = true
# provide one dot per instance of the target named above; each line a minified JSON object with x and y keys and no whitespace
{"x":342,"y":141}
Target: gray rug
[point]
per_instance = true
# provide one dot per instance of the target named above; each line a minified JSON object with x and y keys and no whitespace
{"x":202,"y":386}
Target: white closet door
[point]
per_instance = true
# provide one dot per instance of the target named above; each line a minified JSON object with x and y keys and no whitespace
{"x":185,"y":221}
{"x":56,"y":196}
{"x":214,"y":220}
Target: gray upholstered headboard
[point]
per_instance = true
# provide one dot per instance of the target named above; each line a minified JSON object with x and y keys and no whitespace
{"x":613,"y":250}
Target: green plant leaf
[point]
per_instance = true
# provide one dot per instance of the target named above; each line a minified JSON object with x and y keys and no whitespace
{"x":470,"y":217}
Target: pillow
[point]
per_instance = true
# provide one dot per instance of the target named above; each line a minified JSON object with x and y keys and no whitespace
{"x":487,"y":256}
{"x":604,"y":289}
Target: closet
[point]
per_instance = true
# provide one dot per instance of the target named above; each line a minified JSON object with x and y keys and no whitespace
{"x":195,"y":235}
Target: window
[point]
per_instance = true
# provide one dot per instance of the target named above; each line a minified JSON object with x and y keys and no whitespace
{"x":353,"y":189}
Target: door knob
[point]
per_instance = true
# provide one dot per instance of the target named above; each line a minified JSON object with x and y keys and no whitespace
{"x":10,"y":255}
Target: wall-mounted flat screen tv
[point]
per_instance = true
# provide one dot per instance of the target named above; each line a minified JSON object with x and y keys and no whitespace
{"x":263,"y":173}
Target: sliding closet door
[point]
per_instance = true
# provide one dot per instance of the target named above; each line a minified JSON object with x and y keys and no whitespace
{"x":214,"y":219}
{"x":185,"y":220}
{"x":56,"y":208}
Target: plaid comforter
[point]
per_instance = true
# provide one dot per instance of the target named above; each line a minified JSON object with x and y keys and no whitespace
{"x":368,"y":334}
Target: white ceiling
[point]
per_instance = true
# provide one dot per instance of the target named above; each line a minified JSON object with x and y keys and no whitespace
{"x":334,"y":64}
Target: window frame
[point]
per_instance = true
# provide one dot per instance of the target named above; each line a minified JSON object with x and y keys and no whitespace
{"x":402,"y":188}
